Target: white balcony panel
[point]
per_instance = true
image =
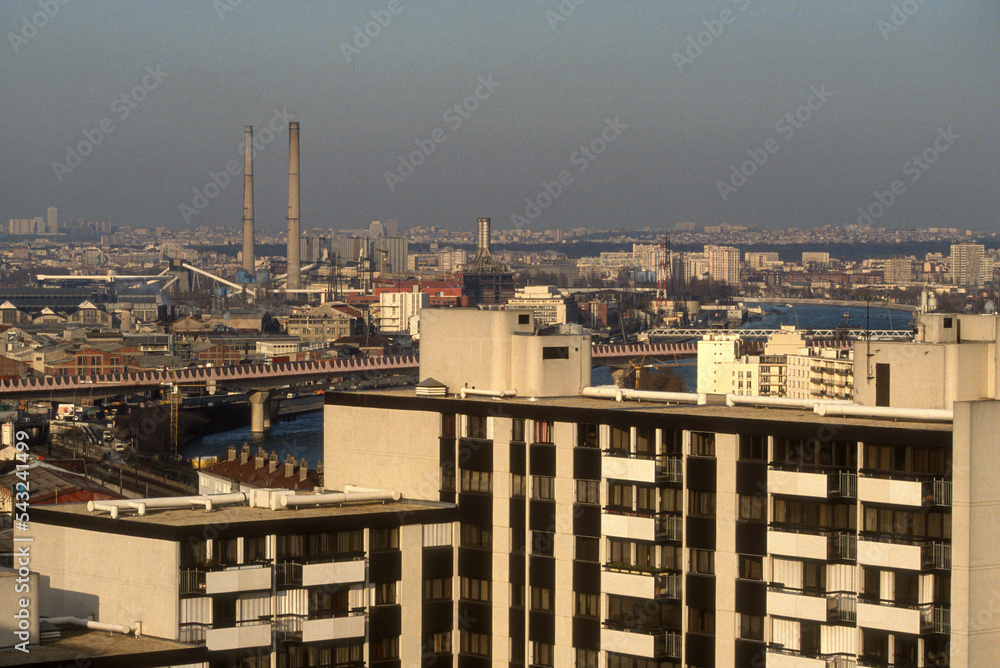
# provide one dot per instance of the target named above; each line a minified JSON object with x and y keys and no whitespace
{"x":626,"y":468}
{"x":889,"y":618}
{"x":237,"y":579}
{"x":334,"y":628}
{"x":777,"y":660}
{"x":797,"y":606}
{"x":635,"y":528}
{"x":802,"y":545}
{"x":336,"y":572}
{"x":628,"y":584}
{"x":896,"y":492}
{"x":624,"y":642}
{"x":889,"y":555}
{"x":238,"y":637}
{"x":797,"y":484}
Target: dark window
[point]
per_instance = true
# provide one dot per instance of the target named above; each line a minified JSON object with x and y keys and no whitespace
{"x":588,"y":491}
{"x":701,"y":621}
{"x":587,"y":548}
{"x":702,"y":444}
{"x":517,"y":429}
{"x":541,"y":598}
{"x":702,"y":561}
{"x":524,"y":319}
{"x":620,"y":496}
{"x":907,"y":588}
{"x":751,"y":627}
{"x":645,"y":442}
{"x":385,"y":539}
{"x":947,"y":323}
{"x":752,"y":508}
{"x":475,"y":590}
{"x":751,"y":567}
{"x":254,"y":549}
{"x":620,"y":440}
{"x":475,"y":535}
{"x":555,"y":353}
{"x":477,"y":426}
{"x":542,"y":543}
{"x":753,"y":447}
{"x":809,"y":642}
{"x":871,"y":590}
{"x":437,"y":589}
{"x":448,"y":426}
{"x":701,"y":504}
{"x":543,"y":487}
{"x":586,"y":605}
{"x":588,"y":435}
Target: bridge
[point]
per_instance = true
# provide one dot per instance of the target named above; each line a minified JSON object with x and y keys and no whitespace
{"x":852,"y":333}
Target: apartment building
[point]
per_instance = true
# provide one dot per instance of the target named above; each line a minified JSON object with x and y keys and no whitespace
{"x":263,"y":578}
{"x":606,"y":533}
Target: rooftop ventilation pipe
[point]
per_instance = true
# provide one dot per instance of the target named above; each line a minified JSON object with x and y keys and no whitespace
{"x":351,"y":493}
{"x":168,"y":502}
{"x":496,"y":394}
{"x":94,"y":626}
{"x":887,"y":412}
{"x":621,"y":394}
{"x":781,"y":402}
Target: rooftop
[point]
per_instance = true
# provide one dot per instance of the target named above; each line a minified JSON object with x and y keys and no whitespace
{"x":97,"y":649}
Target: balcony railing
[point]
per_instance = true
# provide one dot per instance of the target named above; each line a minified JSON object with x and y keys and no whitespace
{"x":669,"y":527}
{"x":192,"y":582}
{"x":936,"y":493}
{"x":842,"y":547}
{"x":668,"y":585}
{"x":842,"y":485}
{"x":288,"y":627}
{"x":193,"y":633}
{"x":288,"y":574}
{"x":669,"y":469}
{"x":935,"y":556}
{"x":935,"y":620}
{"x":667,"y":646}
{"x":841,"y":662}
{"x":841,"y":607}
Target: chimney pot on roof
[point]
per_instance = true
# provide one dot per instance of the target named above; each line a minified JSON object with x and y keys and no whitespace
{"x":231,"y":453}
{"x":272,"y":462}
{"x":303,"y":469}
{"x":245,"y":453}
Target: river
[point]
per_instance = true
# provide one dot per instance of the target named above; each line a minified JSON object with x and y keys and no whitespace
{"x":303,"y":436}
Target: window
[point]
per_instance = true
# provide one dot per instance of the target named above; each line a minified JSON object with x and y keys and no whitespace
{"x":543,"y":431}
{"x":620,"y":496}
{"x":448,"y":477}
{"x":620,"y":551}
{"x":752,"y":508}
{"x":701,"y":621}
{"x":586,"y":658}
{"x":906,"y":461}
{"x":542,"y":487}
{"x":645,"y":499}
{"x":475,"y":590}
{"x":437,"y":589}
{"x":516,"y":484}
{"x":621,"y":441}
{"x":477,"y":481}
{"x":475,"y":535}
{"x":541,"y":598}
{"x":385,"y":593}
{"x":751,"y":627}
{"x":448,"y":429}
{"x":753,"y":447}
{"x":254,"y":549}
{"x":517,"y":540}
{"x":542,"y":543}
{"x":871,"y":585}
{"x":671,"y":500}
{"x":384,"y":648}
{"x":555,"y":352}
{"x":477,"y":426}
{"x":906,"y":525}
{"x":672,"y":442}
{"x":702,"y":444}
{"x":542,"y":653}
{"x":702,"y":561}
{"x":475,"y":643}
{"x":814,"y":578}
{"x":385,"y":539}
{"x":588,"y":436}
{"x":701,"y":504}
{"x":587,"y":548}
{"x":588,"y":491}
{"x":813,"y":516}
{"x":350,"y":543}
{"x":645,"y":442}
{"x":524,"y":318}
{"x":750,"y":567}
{"x":225,"y":551}
{"x":645,"y":555}
{"x":586,"y":605}
{"x":439,"y":643}
{"x":517,"y":430}
{"x":809,"y":639}
{"x":907,"y":588}
{"x":517,"y":594}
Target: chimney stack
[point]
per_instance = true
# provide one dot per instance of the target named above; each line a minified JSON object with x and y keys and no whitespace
{"x":303,"y":470}
{"x":248,"y":240}
{"x":483,"y":239}
{"x":294,"y":235}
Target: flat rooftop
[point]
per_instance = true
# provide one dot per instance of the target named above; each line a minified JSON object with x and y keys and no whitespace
{"x":79,"y":647}
{"x":713,"y":416}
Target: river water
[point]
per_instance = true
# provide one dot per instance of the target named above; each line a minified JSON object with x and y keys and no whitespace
{"x":303,"y":436}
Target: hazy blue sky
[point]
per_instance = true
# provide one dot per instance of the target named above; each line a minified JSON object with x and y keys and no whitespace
{"x":697,"y":89}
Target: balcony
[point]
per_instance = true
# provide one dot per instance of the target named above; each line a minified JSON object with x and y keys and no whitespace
{"x":886,"y":490}
{"x":241,"y":578}
{"x":668,"y":586}
{"x":842,"y":547}
{"x":640,"y":582}
{"x":626,"y":466}
{"x":935,"y":620}
{"x":640,"y":642}
{"x":192,"y":582}
{"x":842,"y":485}
{"x":245,"y":635}
{"x":193,"y":633}
{"x":334,"y":572}
{"x":669,"y":469}
{"x":669,"y":527}
{"x":841,"y":608}
{"x":798,"y":483}
{"x":288,"y":627}
{"x":935,"y":557}
{"x":335,"y":628}
{"x":892,"y":618}
{"x":288,"y":575}
{"x":873,"y":552}
{"x":841,"y":662}
{"x":628,"y":523}
{"x":936,"y":493}
{"x":795,"y":603}
{"x":786,"y":541}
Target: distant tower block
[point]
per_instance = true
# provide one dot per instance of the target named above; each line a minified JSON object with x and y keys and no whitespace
{"x":248,"y":241}
{"x":483,"y":239}
{"x":294,"y":236}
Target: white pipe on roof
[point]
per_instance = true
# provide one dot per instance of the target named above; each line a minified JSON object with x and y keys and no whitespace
{"x":621,"y":394}
{"x":781,"y":402}
{"x":889,"y":412}
{"x":350,"y":494}
{"x":90,"y":624}
{"x":142,"y":505}
{"x":496,"y":394}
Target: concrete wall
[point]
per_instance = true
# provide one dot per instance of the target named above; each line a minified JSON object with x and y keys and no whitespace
{"x":533,"y":376}
{"x":376,"y":447}
{"x":18,"y":589}
{"x":114,"y":578}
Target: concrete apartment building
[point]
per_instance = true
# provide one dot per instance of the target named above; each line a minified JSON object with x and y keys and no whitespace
{"x":969,"y":265}
{"x":669,"y":533}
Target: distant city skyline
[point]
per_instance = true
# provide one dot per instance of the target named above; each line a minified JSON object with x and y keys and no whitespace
{"x":541,"y":114}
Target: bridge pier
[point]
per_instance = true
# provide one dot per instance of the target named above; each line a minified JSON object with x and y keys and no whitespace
{"x":260,"y":410}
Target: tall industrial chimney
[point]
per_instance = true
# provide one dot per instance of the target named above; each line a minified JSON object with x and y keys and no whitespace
{"x":294,"y":236}
{"x":248,"y":245}
{"x":483,"y":240}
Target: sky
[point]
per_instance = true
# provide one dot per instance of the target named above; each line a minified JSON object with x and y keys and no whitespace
{"x":540,"y":114}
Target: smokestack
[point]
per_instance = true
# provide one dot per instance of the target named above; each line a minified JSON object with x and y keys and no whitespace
{"x":294,"y":236}
{"x":483,"y":240}
{"x":248,"y":245}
